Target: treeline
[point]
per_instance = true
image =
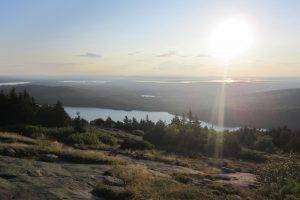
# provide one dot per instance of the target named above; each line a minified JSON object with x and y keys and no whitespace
{"x":21,"y":108}
{"x":183,"y":134}
{"x":186,"y":134}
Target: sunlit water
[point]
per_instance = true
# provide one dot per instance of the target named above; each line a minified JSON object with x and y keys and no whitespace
{"x":90,"y":113}
{"x":13,"y":83}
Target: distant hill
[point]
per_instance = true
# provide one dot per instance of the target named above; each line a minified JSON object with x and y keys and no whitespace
{"x":259,"y":109}
{"x":265,"y":109}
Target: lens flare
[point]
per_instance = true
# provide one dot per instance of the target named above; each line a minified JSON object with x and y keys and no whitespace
{"x":231,"y":38}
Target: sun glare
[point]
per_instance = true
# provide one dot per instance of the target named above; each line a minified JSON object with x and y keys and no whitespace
{"x":231,"y":38}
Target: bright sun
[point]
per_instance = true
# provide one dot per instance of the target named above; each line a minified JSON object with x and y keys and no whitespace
{"x":231,"y":38}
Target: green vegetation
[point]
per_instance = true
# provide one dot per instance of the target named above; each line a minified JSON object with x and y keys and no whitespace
{"x":136,"y":144}
{"x":186,"y":135}
{"x":265,"y":143}
{"x":109,"y":192}
{"x":280,"y":179}
{"x":252,"y":155}
{"x":44,"y":132}
{"x":106,"y":138}
{"x":21,"y":108}
{"x":84,"y":139}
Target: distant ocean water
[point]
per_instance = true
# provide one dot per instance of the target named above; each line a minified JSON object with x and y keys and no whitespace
{"x":201,"y":81}
{"x":83,"y":82}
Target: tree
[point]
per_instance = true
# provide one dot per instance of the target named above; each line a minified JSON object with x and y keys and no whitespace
{"x":109,"y":122}
{"x":176,"y":120}
{"x":79,"y":124}
{"x":264,"y":143}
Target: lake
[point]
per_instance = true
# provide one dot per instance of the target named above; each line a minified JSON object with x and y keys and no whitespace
{"x":90,"y":113}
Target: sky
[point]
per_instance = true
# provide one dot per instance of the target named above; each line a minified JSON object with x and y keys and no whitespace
{"x":145,"y":38}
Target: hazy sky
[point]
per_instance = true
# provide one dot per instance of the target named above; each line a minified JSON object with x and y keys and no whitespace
{"x":143,"y":37}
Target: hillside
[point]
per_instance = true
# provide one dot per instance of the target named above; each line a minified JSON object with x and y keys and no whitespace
{"x":260,"y":109}
{"x":266,"y":109}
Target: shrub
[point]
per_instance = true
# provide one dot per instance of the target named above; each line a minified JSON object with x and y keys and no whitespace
{"x":79,"y":124}
{"x":35,"y":131}
{"x":138,"y":132}
{"x":84,"y":139}
{"x":251,"y":155}
{"x":182,"y":178}
{"x":110,"y":192}
{"x":134,"y":143}
{"x":231,"y":146}
{"x":265,"y":143}
{"x":40,"y":132}
{"x":107,"y":139}
{"x":280,"y":179}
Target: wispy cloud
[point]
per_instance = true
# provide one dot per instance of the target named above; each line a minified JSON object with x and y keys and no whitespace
{"x":90,"y":55}
{"x":167,"y":54}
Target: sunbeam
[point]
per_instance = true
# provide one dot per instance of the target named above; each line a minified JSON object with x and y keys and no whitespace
{"x":221,"y":112}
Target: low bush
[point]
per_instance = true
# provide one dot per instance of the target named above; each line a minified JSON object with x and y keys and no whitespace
{"x":110,"y":192}
{"x":231,"y":145}
{"x":251,"y":155}
{"x":136,"y":144}
{"x":221,"y":189}
{"x":84,"y":139}
{"x":182,"y":178}
{"x":60,"y":134}
{"x":265,"y":143}
{"x":280,"y":179}
{"x":107,"y":139}
{"x":138,"y":133}
{"x":35,"y":131}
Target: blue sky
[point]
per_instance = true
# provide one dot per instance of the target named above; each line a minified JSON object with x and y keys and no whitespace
{"x":74,"y":37}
